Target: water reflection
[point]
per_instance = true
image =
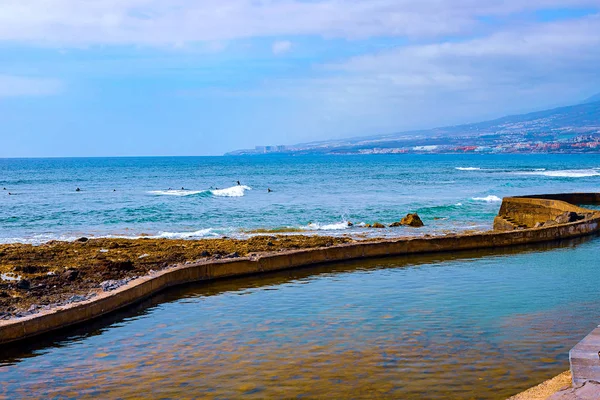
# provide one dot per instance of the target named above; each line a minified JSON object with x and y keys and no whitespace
{"x":475,"y":324}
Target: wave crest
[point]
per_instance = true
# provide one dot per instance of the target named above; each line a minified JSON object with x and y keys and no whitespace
{"x":468,"y":168}
{"x":564,"y":173}
{"x":315,"y":226}
{"x":202,"y":233}
{"x":234,"y":191}
{"x":488,"y":199}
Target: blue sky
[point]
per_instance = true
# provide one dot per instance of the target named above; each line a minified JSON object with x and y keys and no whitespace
{"x":202,"y":77}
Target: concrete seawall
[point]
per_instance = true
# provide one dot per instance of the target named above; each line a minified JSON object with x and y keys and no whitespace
{"x":533,"y":209}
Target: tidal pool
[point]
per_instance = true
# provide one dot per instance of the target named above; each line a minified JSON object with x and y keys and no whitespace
{"x":482,"y":325}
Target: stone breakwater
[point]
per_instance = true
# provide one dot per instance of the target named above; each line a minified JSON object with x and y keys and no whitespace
{"x":522,"y":214}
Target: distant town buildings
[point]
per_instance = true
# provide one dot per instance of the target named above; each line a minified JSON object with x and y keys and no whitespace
{"x":270,"y":149}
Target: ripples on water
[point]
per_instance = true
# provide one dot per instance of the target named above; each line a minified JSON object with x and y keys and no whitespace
{"x":134,"y":196}
{"x":475,"y":325}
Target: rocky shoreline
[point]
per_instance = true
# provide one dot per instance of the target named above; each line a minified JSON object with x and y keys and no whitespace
{"x":38,"y":278}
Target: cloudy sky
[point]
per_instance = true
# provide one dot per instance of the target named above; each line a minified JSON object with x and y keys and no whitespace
{"x":201,"y":77}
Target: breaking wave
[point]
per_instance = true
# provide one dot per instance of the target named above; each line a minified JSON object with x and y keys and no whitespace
{"x":468,"y":168}
{"x":202,"y":233}
{"x":315,"y":226}
{"x":234,"y":191}
{"x":564,"y":173}
{"x":488,"y":199}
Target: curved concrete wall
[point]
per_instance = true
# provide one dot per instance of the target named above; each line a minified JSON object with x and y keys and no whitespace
{"x":143,"y":287}
{"x":530,"y":210}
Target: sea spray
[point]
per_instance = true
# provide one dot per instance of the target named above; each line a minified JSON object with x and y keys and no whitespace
{"x":234,"y":191}
{"x":488,"y":199}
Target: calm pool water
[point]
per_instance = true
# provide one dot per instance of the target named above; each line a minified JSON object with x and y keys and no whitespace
{"x":479,"y":325}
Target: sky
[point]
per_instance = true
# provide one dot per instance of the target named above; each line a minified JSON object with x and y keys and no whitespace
{"x":203,"y":77}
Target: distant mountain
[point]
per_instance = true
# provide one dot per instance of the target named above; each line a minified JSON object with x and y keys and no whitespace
{"x":593,"y":99}
{"x":565,"y":129}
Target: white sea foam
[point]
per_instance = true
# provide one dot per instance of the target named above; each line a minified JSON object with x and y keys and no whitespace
{"x":564,"y":173}
{"x":458,"y":204}
{"x":315,"y":226}
{"x":234,"y":191}
{"x":202,"y":233}
{"x":488,"y":199}
{"x":178,"y":192}
{"x":468,"y":168}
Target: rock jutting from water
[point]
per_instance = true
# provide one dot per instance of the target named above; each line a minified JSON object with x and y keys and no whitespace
{"x":411,"y":219}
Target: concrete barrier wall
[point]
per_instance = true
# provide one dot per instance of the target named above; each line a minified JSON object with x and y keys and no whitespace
{"x":530,"y":210}
{"x":143,"y":287}
{"x":585,"y":359}
{"x":573,"y":198}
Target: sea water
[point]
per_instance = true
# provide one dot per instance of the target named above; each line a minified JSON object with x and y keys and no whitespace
{"x":198,"y":197}
{"x":471,"y":325}
{"x":483,"y":324}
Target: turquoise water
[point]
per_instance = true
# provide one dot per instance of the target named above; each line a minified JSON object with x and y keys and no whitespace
{"x":314,"y":194}
{"x":479,"y":325}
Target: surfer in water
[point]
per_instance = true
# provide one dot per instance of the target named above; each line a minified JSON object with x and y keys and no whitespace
{"x":269,"y":190}
{"x":239,"y":184}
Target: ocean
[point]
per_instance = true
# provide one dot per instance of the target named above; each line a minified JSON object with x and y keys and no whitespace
{"x":481,"y":324}
{"x":198,"y":197}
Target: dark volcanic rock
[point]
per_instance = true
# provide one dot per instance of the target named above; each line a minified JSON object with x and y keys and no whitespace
{"x":23,"y":284}
{"x":109,"y":285}
{"x":396,"y":224}
{"x":120,"y":265}
{"x":377,"y":225}
{"x":82,"y":239}
{"x":31,"y":269}
{"x":70,"y":275}
{"x":567,"y":217}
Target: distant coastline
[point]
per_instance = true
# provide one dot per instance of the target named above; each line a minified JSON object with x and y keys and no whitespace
{"x":570,"y":130}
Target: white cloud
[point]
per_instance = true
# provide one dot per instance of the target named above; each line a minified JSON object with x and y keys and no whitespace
{"x":417,"y":86}
{"x":281,"y":46}
{"x":15,"y":86}
{"x":159,"y":22}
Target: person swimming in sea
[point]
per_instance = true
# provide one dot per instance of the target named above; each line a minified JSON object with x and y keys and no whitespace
{"x":239,"y":184}
{"x":78,"y":190}
{"x":269,"y":190}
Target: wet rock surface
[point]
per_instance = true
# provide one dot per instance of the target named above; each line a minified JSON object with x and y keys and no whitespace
{"x":58,"y":273}
{"x":568,"y":217}
{"x":109,"y":285}
{"x":412,"y":220}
